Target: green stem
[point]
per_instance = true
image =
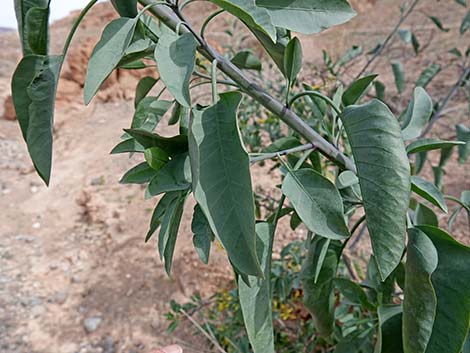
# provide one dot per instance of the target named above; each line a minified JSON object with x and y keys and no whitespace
{"x":315,"y":94}
{"x":264,"y":156}
{"x":452,"y":198}
{"x":208,"y":20}
{"x":214,"y":81}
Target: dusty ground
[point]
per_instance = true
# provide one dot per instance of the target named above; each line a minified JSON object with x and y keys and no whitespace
{"x":74,"y":253}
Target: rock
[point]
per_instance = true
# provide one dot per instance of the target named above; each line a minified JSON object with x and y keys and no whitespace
{"x":91,"y":324}
{"x":108,"y":345}
{"x":58,"y":298}
{"x":9,"y":109}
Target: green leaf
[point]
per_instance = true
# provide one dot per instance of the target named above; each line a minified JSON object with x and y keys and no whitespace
{"x":425,"y":145}
{"x":246,"y":60}
{"x":125,"y":8}
{"x":319,"y":295}
{"x":36,"y":31}
{"x":419,"y":306}
{"x":144,"y":86}
{"x":156,"y":157}
{"x":255,"y":295}
{"x":157,"y":216}
{"x":428,"y":191}
{"x":175,"y":56}
{"x":317,"y":202}
{"x":438,"y":23}
{"x":22,"y":7}
{"x":34,"y":86}
{"x":318,"y":249}
{"x":149,"y":112}
{"x":399,"y":75}
{"x":417,"y":114}
{"x":293,"y":59}
{"x":282,"y":143}
{"x":140,"y":174}
{"x":390,"y":329}
{"x":116,"y":38}
{"x":452,"y":287}
{"x":462,"y":2}
{"x":307,"y":16}
{"x":171,"y":145}
{"x":465,"y":25}
{"x":175,"y":175}
{"x":346,"y":179}
{"x":274,"y":49}
{"x":379,"y":90}
{"x":463,"y":134}
{"x":203,"y":235}
{"x":253,"y":16}
{"x":384,"y":177}
{"x":428,"y":75}
{"x":128,"y":146}
{"x":220,"y":169}
{"x":357,"y":89}
{"x":425,"y":216}
{"x":352,"y":292}
{"x":169,"y":229}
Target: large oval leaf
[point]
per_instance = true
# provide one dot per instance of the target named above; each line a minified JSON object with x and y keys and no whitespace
{"x":255,"y":297}
{"x":34,"y":86}
{"x":419,"y":307}
{"x":221,"y":180}
{"x":175,"y":56}
{"x":384,"y":176}
{"x":253,"y":16}
{"x":111,"y":48}
{"x":307,"y":16}
{"x":317,"y":202}
{"x":452,"y":285}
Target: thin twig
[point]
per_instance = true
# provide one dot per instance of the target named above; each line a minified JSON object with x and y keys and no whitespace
{"x":439,"y":113}
{"x":265,"y":156}
{"x":379,"y":51}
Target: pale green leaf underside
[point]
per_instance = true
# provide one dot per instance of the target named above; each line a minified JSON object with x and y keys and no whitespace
{"x":317,"y":202}
{"x":417,"y":114}
{"x":384,"y":176}
{"x":307,"y":16}
{"x":221,"y":180}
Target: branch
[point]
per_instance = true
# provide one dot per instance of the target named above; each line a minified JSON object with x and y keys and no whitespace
{"x":264,"y":156}
{"x":388,"y":39}
{"x":171,"y":20}
{"x":438,"y":114}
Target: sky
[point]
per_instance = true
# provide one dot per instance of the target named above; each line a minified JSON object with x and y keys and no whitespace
{"x":59,"y":9}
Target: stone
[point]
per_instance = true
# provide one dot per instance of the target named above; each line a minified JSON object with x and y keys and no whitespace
{"x":91,"y":324}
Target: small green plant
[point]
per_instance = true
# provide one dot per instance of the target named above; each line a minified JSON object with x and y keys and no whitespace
{"x":345,"y":160}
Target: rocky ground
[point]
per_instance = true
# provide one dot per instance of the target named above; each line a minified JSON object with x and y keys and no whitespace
{"x":75,"y":274}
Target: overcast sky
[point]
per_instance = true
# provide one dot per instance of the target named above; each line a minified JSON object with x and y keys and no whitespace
{"x":59,"y":9}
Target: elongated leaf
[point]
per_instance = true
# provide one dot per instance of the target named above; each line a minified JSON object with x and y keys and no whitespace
{"x":34,"y":87}
{"x":293,"y":59}
{"x":428,"y":191}
{"x":307,"y":16}
{"x":399,"y":75}
{"x":319,"y":296}
{"x":22,"y":8}
{"x":140,"y":174}
{"x":465,"y":25}
{"x":220,"y":169}
{"x":463,"y":134}
{"x":452,"y":287}
{"x":174,"y":176}
{"x":253,"y":16}
{"x":169,"y":230}
{"x":318,"y":249}
{"x":126,"y":8}
{"x":352,"y":292}
{"x":255,"y":296}
{"x":357,"y":89}
{"x":419,"y":307}
{"x":437,"y":21}
{"x":428,"y":75}
{"x":425,"y":145}
{"x":175,"y":56}
{"x":317,"y":202}
{"x":276,"y":49}
{"x":171,"y":145}
{"x":157,"y":216}
{"x":417,"y":114}
{"x":144,"y":86}
{"x":390,"y":329}
{"x":384,"y":176}
{"x":203,"y":235}
{"x":247,"y":60}
{"x":36,"y":30}
{"x":107,"y":54}
{"x":149,"y":112}
{"x":128,"y":146}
